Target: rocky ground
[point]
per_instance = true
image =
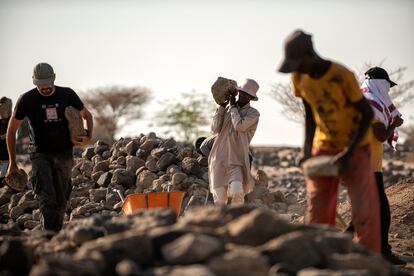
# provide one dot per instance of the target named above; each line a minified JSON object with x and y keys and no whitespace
{"x":263,"y":238}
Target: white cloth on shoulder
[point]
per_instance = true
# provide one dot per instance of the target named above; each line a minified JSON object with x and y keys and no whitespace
{"x":376,"y":91}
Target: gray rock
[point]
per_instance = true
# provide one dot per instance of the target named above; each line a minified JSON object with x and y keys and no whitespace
{"x":104,"y":179}
{"x":171,"y":170}
{"x":184,"y":153}
{"x":203,"y":161}
{"x":86,"y":168}
{"x":14,"y":257}
{"x":191,"y":166}
{"x":145,"y":179}
{"x":31,"y":224}
{"x":178,"y":178}
{"x":97,"y":158}
{"x":169,"y":143}
{"x":95,"y":176}
{"x":149,"y":145}
{"x":295,"y":248}
{"x":375,"y":264}
{"x":257,"y":227}
{"x":329,"y":272}
{"x":106,"y":154}
{"x":151,"y":164}
{"x":143,"y":154}
{"x":82,"y":234}
{"x":23,"y":218}
{"x":88,"y":153}
{"x":158,"y":152}
{"x":96,"y":195}
{"x":100,"y":148}
{"x":132,"y":147}
{"x":191,"y":248}
{"x":101,"y":166}
{"x":121,"y":160}
{"x":5,"y":194}
{"x":166,"y":160}
{"x":9,"y":229}
{"x":188,"y":270}
{"x":128,"y":268}
{"x":114,"y":248}
{"x":133,"y":163}
{"x":16,"y":212}
{"x":124,"y":178}
{"x":242,"y":263}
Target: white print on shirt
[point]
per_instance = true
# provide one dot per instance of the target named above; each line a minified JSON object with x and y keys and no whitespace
{"x":51,"y":113}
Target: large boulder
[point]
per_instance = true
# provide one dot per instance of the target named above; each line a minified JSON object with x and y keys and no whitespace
{"x":191,"y":248}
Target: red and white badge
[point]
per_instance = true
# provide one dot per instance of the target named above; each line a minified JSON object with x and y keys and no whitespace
{"x":51,"y":113}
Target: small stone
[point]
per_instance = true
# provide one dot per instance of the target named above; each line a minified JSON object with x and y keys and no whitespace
{"x":104,"y":180}
{"x":191,"y":166}
{"x":151,"y":164}
{"x":132,"y":147}
{"x":128,"y":268}
{"x":178,"y":178}
{"x":166,"y":160}
{"x":121,"y":160}
{"x":133,"y":163}
{"x":96,"y":195}
{"x":101,"y":166}
{"x":191,"y":248}
{"x":88,"y":153}
{"x":145,"y":179}
{"x":123,"y":177}
{"x":149,"y":145}
{"x":82,"y":234}
{"x":242,"y":263}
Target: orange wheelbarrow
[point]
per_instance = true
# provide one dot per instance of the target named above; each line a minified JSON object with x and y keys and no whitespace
{"x":134,"y":202}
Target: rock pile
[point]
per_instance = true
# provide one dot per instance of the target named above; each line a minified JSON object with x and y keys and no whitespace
{"x":136,"y":165}
{"x":212,"y":240}
{"x":280,"y":165}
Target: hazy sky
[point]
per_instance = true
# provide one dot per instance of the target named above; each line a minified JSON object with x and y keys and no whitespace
{"x":179,"y":46}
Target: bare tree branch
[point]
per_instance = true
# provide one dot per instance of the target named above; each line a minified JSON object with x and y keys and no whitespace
{"x":292,"y":107}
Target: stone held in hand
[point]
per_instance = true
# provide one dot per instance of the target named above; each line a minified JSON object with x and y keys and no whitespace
{"x":222,"y":89}
{"x":320,"y":166}
{"x":75,"y":123}
{"x":17,"y":181}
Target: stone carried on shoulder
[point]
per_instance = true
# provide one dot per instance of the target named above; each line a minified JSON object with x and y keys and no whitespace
{"x":222,"y":89}
{"x":320,"y":166}
{"x":75,"y":123}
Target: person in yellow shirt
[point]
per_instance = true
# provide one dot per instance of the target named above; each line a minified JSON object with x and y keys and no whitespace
{"x":387,"y":118}
{"x":337,"y":120}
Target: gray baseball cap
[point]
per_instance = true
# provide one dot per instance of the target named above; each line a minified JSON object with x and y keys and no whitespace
{"x":43,"y":74}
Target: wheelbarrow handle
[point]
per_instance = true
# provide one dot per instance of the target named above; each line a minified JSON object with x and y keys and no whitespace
{"x":121,"y":196}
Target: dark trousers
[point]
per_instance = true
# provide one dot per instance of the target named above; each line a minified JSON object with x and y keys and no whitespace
{"x":51,"y":181}
{"x":385,"y":214}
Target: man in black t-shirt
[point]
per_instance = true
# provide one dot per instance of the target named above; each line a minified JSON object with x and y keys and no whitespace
{"x":51,"y":151}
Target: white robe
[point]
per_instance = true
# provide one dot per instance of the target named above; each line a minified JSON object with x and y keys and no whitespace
{"x":235,"y":128}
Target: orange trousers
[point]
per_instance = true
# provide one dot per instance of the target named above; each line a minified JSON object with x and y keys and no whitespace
{"x":363,"y":194}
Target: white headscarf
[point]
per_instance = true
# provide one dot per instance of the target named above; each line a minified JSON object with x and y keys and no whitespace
{"x":376,"y":91}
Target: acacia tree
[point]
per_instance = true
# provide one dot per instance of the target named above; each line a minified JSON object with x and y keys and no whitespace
{"x":292,"y":107}
{"x":187,"y":117}
{"x":113,"y":106}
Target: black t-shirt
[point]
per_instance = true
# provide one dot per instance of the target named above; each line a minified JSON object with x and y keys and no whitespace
{"x":4,"y":155}
{"x":49,"y":130}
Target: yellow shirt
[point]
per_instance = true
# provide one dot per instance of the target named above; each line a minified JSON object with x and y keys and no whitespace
{"x":330,"y":98}
{"x":377,"y":153}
